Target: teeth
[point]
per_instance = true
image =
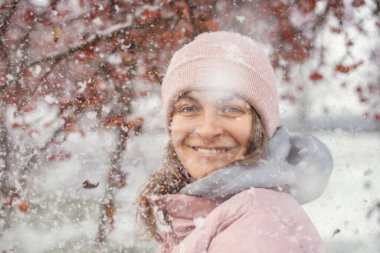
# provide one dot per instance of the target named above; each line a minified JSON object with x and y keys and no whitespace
{"x":210,"y":151}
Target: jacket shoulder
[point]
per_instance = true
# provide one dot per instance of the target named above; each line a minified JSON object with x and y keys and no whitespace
{"x":256,"y":219}
{"x":264,"y":220}
{"x":255,"y":199}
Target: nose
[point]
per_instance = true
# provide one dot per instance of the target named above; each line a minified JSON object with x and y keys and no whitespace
{"x":209,"y":127}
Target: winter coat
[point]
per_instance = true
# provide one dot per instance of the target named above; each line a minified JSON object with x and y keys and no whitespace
{"x":253,"y":221}
{"x":223,"y":213}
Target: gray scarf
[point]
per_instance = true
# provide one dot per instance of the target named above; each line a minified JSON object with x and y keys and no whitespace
{"x":298,"y":165}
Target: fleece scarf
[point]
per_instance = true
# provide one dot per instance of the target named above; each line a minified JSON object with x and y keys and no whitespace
{"x":298,"y":165}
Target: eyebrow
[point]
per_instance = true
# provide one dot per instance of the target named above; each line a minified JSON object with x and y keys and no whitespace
{"x":187,"y":97}
{"x":231,"y":97}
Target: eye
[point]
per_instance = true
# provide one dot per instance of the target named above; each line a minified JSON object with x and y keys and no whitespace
{"x":188,"y":110}
{"x":232,"y":110}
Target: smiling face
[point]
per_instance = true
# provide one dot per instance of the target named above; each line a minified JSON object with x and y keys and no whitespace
{"x":210,"y":129}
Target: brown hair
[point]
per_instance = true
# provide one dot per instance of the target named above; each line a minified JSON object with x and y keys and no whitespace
{"x":172,"y":176}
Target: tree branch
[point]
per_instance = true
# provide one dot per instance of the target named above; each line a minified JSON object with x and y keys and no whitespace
{"x":33,"y":159}
{"x":4,"y":26}
{"x":192,"y":20}
{"x":24,"y":44}
{"x":4,"y":153}
{"x":108,"y":207}
{"x":93,"y":40}
{"x":5,"y":190}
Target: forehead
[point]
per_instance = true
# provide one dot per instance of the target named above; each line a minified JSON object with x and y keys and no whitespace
{"x":211,"y":96}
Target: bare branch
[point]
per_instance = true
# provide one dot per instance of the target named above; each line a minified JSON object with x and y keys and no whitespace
{"x":4,"y":153}
{"x":108,"y":204}
{"x":23,"y":45}
{"x":376,"y":11}
{"x":35,"y":153}
{"x":191,"y":18}
{"x":92,"y":41}
{"x":42,"y":80}
{"x":5,"y":190}
{"x":96,"y":38}
{"x":4,"y":26}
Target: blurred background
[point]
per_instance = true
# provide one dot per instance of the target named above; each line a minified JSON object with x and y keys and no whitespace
{"x":80,"y":117}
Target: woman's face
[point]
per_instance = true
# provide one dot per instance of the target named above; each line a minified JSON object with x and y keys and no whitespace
{"x":210,"y":129}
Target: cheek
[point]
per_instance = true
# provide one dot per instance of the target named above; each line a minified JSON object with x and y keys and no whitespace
{"x":242,"y":131}
{"x":179,"y":129}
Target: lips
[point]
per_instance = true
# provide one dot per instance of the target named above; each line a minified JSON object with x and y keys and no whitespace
{"x":210,"y":150}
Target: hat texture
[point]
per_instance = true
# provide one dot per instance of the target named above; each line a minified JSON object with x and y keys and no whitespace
{"x":226,"y":61}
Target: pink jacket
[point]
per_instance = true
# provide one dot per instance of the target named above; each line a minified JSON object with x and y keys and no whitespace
{"x":255,"y":221}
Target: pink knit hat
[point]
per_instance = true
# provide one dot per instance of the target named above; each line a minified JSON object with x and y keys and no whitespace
{"x":226,"y":61}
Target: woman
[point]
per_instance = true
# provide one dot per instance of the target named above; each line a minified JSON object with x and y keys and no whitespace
{"x":231,"y":174}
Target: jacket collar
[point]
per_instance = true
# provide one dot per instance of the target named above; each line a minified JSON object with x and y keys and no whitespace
{"x":184,"y":206}
{"x":298,"y":165}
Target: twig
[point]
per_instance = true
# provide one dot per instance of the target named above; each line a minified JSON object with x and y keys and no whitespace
{"x":33,"y":159}
{"x":94,"y":39}
{"x":108,"y":204}
{"x":4,"y":170}
{"x":23,"y":46}
{"x":4,"y":26}
{"x":192,"y":20}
